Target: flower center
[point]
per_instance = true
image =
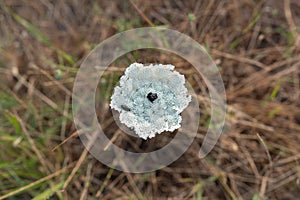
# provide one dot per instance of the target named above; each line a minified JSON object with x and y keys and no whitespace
{"x":152,"y":96}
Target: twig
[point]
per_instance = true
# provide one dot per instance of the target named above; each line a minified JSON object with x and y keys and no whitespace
{"x":87,"y":181}
{"x":74,"y":134}
{"x":142,"y":14}
{"x":290,"y":20}
{"x":265,"y":146}
{"x":239,"y":59}
{"x":75,"y":169}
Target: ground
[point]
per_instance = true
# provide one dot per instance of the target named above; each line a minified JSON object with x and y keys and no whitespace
{"x":255,"y":45}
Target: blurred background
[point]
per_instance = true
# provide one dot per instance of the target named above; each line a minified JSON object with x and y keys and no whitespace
{"x":255,"y":45}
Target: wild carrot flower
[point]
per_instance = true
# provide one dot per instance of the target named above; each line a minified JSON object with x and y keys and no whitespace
{"x":150,"y":99}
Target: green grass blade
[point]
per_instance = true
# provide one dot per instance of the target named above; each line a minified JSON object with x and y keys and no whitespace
{"x":40,"y":36}
{"x":13,"y":120}
{"x":50,"y":192}
{"x":34,"y":31}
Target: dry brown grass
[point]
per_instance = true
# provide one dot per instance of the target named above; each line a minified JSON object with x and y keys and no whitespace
{"x":256,"y":45}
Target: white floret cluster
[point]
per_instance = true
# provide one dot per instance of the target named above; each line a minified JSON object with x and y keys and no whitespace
{"x":150,"y":99}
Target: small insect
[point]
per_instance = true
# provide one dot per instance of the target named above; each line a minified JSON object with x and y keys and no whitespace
{"x":125,"y":108}
{"x":151,"y":96}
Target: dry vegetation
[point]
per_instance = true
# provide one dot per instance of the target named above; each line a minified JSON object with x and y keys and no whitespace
{"x":256,"y":45}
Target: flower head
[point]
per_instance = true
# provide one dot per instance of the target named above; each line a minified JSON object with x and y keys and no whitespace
{"x":150,"y":99}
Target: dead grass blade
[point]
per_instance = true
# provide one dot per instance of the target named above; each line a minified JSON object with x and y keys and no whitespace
{"x":142,"y":14}
{"x":17,"y":191}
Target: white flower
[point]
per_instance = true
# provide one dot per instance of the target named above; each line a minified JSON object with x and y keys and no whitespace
{"x":150,"y":99}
